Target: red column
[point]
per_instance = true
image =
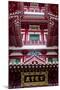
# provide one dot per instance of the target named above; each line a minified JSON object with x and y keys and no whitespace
{"x":26,"y":36}
{"x":23,"y":58}
{"x":42,"y":34}
{"x":26,"y":33}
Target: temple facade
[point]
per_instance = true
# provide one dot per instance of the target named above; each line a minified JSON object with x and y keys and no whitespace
{"x":35,"y":25}
{"x":33,"y":44}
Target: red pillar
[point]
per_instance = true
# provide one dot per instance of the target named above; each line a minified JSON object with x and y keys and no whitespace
{"x":23,"y":58}
{"x":26,"y":33}
{"x":26,"y":36}
{"x":42,"y":34}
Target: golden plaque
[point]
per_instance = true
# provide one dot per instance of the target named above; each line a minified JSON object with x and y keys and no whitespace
{"x":34,"y":79}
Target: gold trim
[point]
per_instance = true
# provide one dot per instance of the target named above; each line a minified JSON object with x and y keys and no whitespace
{"x":43,"y":83}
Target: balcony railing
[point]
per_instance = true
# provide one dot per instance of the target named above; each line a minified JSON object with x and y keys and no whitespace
{"x":33,"y":9}
{"x":34,"y":43}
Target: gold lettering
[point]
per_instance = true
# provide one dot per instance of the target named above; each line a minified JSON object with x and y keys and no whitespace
{"x":41,"y":78}
{"x":36,"y":78}
{"x":27,"y":79}
{"x":32,"y":78}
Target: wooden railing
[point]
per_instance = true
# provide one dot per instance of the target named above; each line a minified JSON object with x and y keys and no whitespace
{"x":32,"y":9}
{"x":34,"y":43}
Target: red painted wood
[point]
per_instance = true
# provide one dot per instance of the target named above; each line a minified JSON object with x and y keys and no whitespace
{"x":21,"y":56}
{"x":33,"y":31}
